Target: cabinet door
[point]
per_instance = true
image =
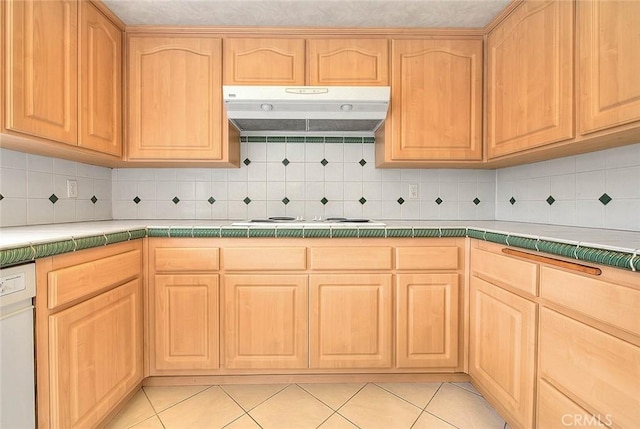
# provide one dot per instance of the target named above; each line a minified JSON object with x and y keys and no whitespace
{"x":185,"y":324}
{"x":263,"y":61}
{"x":42,"y":68}
{"x":609,"y":65}
{"x":502,"y":349}
{"x":95,"y":351}
{"x":350,"y":320}
{"x":427,"y":320}
{"x":436,"y":111}
{"x":266,"y":321}
{"x":530,"y":78}
{"x":175,"y":98}
{"x":348,"y":62}
{"x":100,"y":82}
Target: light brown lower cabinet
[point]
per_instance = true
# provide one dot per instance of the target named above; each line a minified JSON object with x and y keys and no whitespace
{"x":350,"y":320}
{"x":427,"y":320}
{"x":265,"y":321}
{"x":186,"y":326}
{"x":502,"y":350}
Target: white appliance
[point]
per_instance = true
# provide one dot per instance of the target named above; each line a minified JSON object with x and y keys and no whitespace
{"x":338,"y":110}
{"x":17,"y":380}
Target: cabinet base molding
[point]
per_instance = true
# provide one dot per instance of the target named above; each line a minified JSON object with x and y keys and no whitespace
{"x":305,"y":378}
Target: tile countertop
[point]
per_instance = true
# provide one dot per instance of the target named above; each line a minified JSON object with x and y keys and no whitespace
{"x":609,"y":247}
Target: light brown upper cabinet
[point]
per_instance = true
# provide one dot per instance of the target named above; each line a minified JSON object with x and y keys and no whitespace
{"x":436,"y":102}
{"x":48,"y":42}
{"x":608,"y":43}
{"x":530,"y":78}
{"x":254,"y":61}
{"x":348,"y":62}
{"x":100,"y":47}
{"x":175,"y":99}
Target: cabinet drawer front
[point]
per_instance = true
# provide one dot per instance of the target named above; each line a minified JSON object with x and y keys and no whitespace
{"x":427,"y":258}
{"x":556,"y":410}
{"x":351,"y":258}
{"x":186,"y":259}
{"x":518,"y":274}
{"x":265,"y":258}
{"x":600,"y":371}
{"x":69,"y":284}
{"x":607,"y":302}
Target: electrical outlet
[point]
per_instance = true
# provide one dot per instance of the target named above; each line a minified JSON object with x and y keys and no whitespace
{"x":413,"y":192}
{"x":72,"y":188}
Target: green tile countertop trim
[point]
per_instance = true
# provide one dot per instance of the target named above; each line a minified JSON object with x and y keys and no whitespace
{"x":573,"y":250}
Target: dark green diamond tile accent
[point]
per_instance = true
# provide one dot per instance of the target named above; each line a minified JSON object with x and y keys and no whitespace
{"x":324,"y":162}
{"x":372,"y":232}
{"x":474,"y":233}
{"x":53,"y":198}
{"x":476,"y":201}
{"x":136,"y":200}
{"x":324,"y":201}
{"x":257,"y":139}
{"x":246,"y":161}
{"x":138,"y":233}
{"x":512,"y":200}
{"x":1,"y":197}
{"x":94,"y":199}
{"x":399,"y":232}
{"x":290,"y":232}
{"x":334,"y":140}
{"x":345,"y":233}
{"x":438,"y":201}
{"x":211,"y":200}
{"x":317,"y":233}
{"x":400,"y":201}
{"x":495,"y":237}
{"x":158,"y":232}
{"x":247,"y":200}
{"x":368,"y":140}
{"x":230,"y":232}
{"x":362,"y":162}
{"x":262,"y":232}
{"x":426,"y":232}
{"x":117,"y":237}
{"x":551,"y":200}
{"x":353,"y":139}
{"x":206,"y":232}
{"x":175,"y":200}
{"x":181,"y":232}
{"x":285,"y":162}
{"x":295,"y":139}
{"x":453,"y":232}
{"x":605,"y":199}
{"x":276,"y":139}
{"x":286,"y":201}
{"x":314,"y":139}
{"x":362,"y":200}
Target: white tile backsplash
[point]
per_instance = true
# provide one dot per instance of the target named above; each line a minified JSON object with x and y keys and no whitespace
{"x":28,"y":181}
{"x":576,"y":183}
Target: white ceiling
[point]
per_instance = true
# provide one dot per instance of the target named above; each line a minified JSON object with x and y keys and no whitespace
{"x":309,"y":13}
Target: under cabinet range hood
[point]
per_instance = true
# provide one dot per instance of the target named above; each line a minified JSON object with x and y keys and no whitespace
{"x":306,"y":110}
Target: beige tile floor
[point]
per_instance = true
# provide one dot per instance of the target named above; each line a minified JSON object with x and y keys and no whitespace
{"x":322,"y":406}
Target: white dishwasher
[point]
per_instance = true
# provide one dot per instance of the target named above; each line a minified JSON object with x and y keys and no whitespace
{"x":17,"y":384}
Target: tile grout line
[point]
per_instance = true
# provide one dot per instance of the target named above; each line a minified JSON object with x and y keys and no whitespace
{"x":400,"y":397}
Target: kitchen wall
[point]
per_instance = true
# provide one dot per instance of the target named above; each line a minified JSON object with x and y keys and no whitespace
{"x":599,"y":189}
{"x":33,"y":190}
{"x":326,"y":177}
{"x":577,"y":186}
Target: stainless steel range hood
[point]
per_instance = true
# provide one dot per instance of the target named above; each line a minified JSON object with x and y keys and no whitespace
{"x":306,"y":110}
